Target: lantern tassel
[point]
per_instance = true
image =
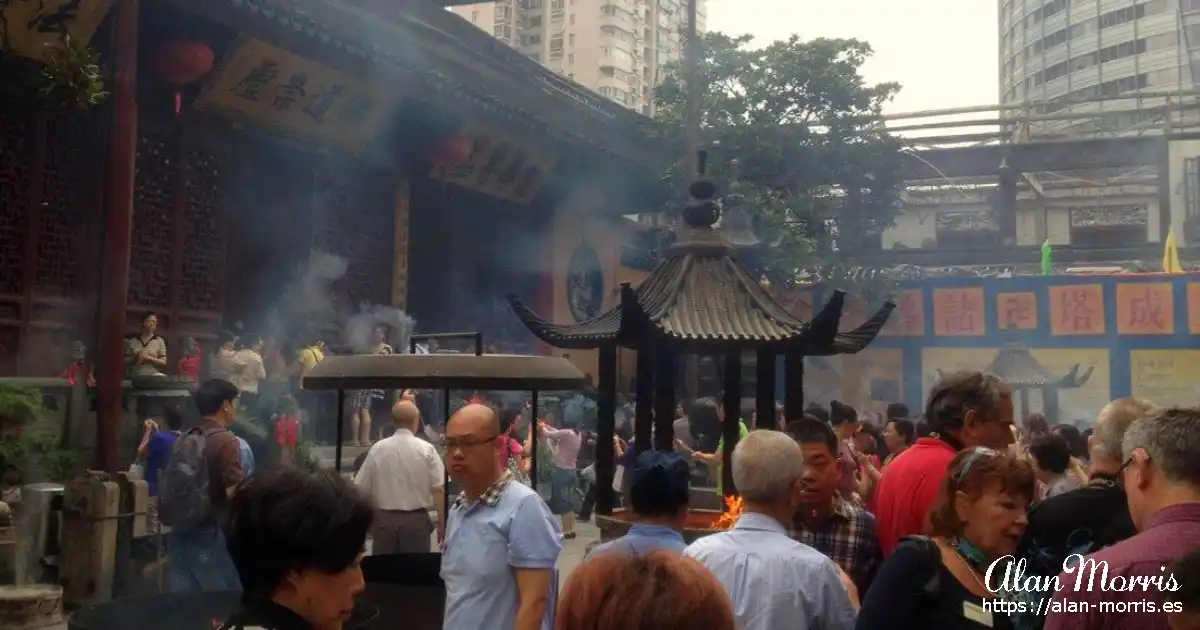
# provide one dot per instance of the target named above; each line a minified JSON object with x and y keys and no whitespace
{"x":178,"y":102}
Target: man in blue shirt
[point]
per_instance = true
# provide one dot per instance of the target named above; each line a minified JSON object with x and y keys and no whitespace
{"x":658,"y":495}
{"x":501,"y":541}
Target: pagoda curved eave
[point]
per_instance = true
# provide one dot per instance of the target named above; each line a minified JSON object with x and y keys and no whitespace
{"x":587,"y":335}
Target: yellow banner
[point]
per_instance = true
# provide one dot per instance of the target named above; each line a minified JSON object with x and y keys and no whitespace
{"x":1165,"y":377}
{"x":32,"y":28}
{"x":500,"y":166}
{"x":282,"y":91}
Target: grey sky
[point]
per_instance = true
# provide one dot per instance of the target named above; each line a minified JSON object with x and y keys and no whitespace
{"x":943,"y":52}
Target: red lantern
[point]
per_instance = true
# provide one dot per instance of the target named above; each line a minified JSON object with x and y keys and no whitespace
{"x":452,"y":151}
{"x":183,"y":62}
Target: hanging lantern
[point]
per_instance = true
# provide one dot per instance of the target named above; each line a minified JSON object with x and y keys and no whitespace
{"x":181,"y":63}
{"x":452,"y":151}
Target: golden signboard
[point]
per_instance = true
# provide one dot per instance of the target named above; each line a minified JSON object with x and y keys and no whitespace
{"x":277,"y":89}
{"x":1165,"y":377}
{"x":500,"y":166}
{"x":32,"y":28}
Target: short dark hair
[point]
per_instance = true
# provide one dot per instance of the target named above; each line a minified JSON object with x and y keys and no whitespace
{"x":1186,"y":571}
{"x":1051,"y":452}
{"x":809,"y":430}
{"x":905,"y":429}
{"x":172,"y":416}
{"x":818,"y":412}
{"x":659,"y":484}
{"x":956,"y":393}
{"x":840,"y":413}
{"x":144,"y":315}
{"x":212,"y":394}
{"x":1075,"y":440}
{"x":286,"y":520}
{"x":897,"y":411}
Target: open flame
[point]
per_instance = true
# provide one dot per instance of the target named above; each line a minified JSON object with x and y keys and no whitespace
{"x":733,"y":510}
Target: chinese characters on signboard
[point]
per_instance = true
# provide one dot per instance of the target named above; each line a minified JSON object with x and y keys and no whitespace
{"x":278,"y":89}
{"x":1167,"y":377}
{"x":1145,"y":309}
{"x":958,"y":312}
{"x":1017,"y":311}
{"x":1193,"y":307}
{"x":908,"y":320}
{"x":500,"y":166}
{"x":31,"y":29}
{"x":1077,"y":309}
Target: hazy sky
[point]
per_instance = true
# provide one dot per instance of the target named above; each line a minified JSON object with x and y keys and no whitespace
{"x":942,"y":53}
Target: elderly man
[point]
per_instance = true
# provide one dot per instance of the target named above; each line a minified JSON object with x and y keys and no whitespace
{"x":501,"y":540}
{"x":757,"y":562}
{"x":1162,"y":487}
{"x":405,"y":476}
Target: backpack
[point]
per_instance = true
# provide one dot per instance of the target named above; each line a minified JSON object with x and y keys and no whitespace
{"x":184,"y":498}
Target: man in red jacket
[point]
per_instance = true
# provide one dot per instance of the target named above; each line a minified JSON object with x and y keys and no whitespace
{"x":965,"y":410}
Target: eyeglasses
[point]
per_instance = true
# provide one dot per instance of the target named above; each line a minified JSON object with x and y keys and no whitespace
{"x":452,"y":444}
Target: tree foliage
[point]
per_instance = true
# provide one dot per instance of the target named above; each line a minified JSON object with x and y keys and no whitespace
{"x":797,"y":126}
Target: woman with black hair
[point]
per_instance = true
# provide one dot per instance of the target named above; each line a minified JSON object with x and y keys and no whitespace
{"x":297,"y":540}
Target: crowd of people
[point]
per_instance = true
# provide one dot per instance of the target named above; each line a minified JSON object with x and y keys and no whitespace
{"x":960,"y":518}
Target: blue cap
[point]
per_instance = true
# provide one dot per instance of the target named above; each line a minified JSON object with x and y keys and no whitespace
{"x":663,"y":472}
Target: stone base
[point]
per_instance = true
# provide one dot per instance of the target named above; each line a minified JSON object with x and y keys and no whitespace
{"x":30,"y":607}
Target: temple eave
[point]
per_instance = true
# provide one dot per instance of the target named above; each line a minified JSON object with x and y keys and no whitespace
{"x":855,"y":341}
{"x":586,"y":335}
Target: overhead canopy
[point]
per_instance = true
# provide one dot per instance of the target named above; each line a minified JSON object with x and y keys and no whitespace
{"x":501,"y":372}
{"x":702,"y":296}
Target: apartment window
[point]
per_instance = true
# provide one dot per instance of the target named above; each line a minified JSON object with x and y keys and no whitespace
{"x":503,"y":31}
{"x":556,"y":44}
{"x":474,"y":16}
{"x":558,"y":5}
{"x":571,"y":39}
{"x":503,"y":13}
{"x":535,"y":21}
{"x":533,"y":4}
{"x":571,"y":59}
{"x":1191,"y":186}
{"x":1108,"y":226}
{"x":1121,"y":16}
{"x":530,"y":40}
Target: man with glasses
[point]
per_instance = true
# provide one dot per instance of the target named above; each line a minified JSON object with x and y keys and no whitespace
{"x":1161,"y":476}
{"x":501,"y":541}
{"x":965,"y":410}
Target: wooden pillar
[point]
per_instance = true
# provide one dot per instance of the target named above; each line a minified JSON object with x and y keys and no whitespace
{"x":400,"y":245}
{"x":664,"y":397}
{"x":764,"y":382}
{"x":733,"y":410}
{"x":606,"y":420}
{"x":793,"y":377}
{"x":644,"y":410}
{"x":118,"y":228}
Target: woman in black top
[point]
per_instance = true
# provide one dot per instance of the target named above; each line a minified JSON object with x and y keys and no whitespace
{"x":939,"y":583}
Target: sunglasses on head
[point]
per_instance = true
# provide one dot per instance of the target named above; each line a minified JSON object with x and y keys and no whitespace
{"x":977,"y":453}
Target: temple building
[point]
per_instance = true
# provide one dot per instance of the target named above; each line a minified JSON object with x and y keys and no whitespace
{"x":216,"y":161}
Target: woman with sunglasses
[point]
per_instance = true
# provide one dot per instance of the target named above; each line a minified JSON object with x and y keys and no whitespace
{"x":941,"y":582}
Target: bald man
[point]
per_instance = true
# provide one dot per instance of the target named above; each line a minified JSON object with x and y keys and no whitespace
{"x":501,"y":540}
{"x":405,"y":476}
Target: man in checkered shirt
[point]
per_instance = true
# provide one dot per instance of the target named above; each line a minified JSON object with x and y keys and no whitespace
{"x":826,"y":522}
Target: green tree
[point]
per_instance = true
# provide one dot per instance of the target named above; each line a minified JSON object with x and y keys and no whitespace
{"x":797,"y":127}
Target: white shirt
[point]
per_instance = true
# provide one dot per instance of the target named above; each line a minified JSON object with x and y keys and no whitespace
{"x":774,"y":581}
{"x":401,"y":471}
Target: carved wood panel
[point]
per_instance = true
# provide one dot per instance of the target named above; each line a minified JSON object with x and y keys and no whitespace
{"x":203,"y":233}
{"x":151,"y":260}
{"x":16,"y":169}
{"x":61,"y":253}
{"x":353,"y":217}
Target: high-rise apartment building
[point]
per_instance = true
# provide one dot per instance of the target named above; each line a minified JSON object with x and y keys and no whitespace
{"x":1059,"y":52}
{"x":615,"y":47}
